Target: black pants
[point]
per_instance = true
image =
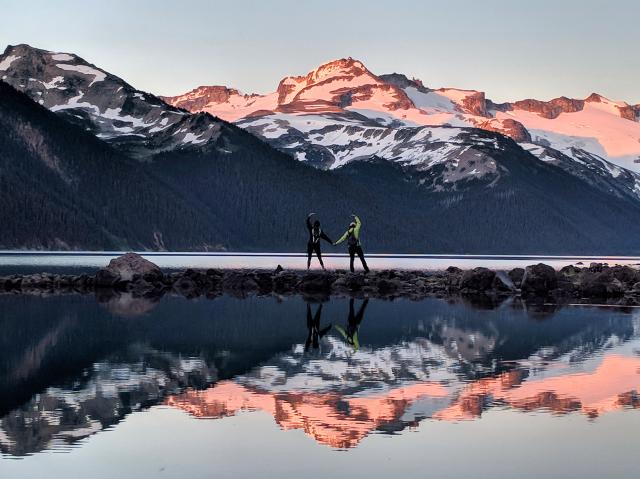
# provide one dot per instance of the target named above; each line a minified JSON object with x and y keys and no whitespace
{"x":357,"y":249}
{"x":314,"y":248}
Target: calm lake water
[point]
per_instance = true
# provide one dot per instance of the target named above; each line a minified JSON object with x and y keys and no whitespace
{"x":266,"y":387}
{"x":65,"y":262}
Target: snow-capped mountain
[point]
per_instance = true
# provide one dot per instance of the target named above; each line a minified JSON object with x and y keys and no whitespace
{"x":434,"y":153}
{"x":335,"y":114}
{"x":104,"y":104}
{"x":340,"y":111}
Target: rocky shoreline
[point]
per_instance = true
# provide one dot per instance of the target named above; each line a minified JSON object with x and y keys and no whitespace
{"x":140,"y":278}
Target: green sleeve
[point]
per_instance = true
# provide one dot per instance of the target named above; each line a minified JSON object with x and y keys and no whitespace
{"x":356,"y":231}
{"x":343,"y":237}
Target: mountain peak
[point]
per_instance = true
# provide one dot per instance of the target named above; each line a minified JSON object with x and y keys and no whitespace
{"x":594,"y":98}
{"x":341,"y":67}
{"x":27,"y":51}
{"x":104,"y":104}
{"x":21,"y":48}
{"x":402,"y":81}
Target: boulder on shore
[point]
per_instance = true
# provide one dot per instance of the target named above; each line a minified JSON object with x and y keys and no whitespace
{"x":539,"y":279}
{"x":127,"y":268}
{"x":478,"y":279}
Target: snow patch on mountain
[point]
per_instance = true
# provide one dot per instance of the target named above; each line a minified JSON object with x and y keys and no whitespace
{"x":62,"y":57}
{"x":597,"y":128}
{"x":85,"y":70}
{"x":7,"y":61}
{"x":53,"y":83}
{"x":191,"y":138}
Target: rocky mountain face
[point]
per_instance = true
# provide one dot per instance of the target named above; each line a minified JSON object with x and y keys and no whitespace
{"x":406,"y":155}
{"x":574,"y":127}
{"x":105,"y":105}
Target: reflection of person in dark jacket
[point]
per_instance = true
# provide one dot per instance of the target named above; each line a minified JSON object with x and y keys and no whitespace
{"x":350,"y":334}
{"x":352,"y":235}
{"x":315,"y":235}
{"x":315,"y":334}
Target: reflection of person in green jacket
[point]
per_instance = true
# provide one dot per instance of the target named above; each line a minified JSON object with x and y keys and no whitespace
{"x":314,"y":334}
{"x":352,"y":235}
{"x":353,"y":324}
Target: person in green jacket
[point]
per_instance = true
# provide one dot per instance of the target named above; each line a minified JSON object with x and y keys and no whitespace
{"x":352,"y":236}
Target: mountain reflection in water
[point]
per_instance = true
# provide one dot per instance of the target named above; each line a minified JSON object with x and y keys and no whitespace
{"x":71,"y":366}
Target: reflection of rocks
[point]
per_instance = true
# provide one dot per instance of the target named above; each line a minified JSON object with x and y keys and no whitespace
{"x":126,"y":304}
{"x":141,"y":278}
{"x":106,"y":394}
{"x":43,"y":284}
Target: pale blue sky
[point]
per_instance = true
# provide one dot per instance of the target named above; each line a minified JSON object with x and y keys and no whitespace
{"x":510,"y":49}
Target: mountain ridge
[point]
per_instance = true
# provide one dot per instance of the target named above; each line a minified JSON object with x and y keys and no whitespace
{"x":395,"y":100}
{"x":442,"y":188}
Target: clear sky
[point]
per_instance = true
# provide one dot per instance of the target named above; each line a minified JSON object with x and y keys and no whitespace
{"x":512,"y":49}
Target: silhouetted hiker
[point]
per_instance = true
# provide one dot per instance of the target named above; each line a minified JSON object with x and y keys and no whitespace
{"x":352,"y":235}
{"x":315,"y":334}
{"x":315,"y":234}
{"x":353,"y":324}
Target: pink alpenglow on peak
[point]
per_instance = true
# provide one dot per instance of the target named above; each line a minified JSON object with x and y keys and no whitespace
{"x":347,"y":92}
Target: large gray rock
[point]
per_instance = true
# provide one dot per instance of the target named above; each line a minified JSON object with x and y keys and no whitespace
{"x":539,"y":279}
{"x":285,"y":282}
{"x":316,"y":282}
{"x":601,"y":284}
{"x":478,"y":279}
{"x":240,"y":281}
{"x":127,"y":268}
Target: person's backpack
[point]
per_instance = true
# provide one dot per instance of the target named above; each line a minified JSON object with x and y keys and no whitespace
{"x":351,"y":239}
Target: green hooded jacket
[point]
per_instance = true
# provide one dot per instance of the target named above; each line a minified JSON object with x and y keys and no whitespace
{"x":356,"y":231}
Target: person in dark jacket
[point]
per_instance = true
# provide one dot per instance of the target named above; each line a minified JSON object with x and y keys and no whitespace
{"x":352,"y":235}
{"x":315,"y":235}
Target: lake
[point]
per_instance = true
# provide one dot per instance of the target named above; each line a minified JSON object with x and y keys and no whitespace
{"x":276,"y":387}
